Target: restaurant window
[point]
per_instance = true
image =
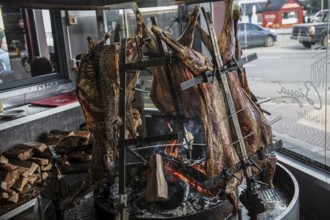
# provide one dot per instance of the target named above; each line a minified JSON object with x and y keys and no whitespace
{"x":291,"y":80}
{"x":26,"y":36}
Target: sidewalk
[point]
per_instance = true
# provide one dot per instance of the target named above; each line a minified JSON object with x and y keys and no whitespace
{"x":301,"y":128}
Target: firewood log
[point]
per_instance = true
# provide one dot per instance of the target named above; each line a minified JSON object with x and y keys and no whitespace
{"x":82,"y":134}
{"x":38,"y":180}
{"x":4,"y":186}
{"x":27,"y":188}
{"x":45,"y":175}
{"x":11,"y":178}
{"x":3,"y":159}
{"x":19,"y":153}
{"x":14,"y":197}
{"x":20,"y":183}
{"x":8,"y":166}
{"x":79,"y":157}
{"x":40,"y":161}
{"x":47,"y":167}
{"x":31,"y":166}
{"x":33,"y":178}
{"x":157,"y":188}
{"x":37,"y":146}
{"x":71,"y":141}
{"x":54,"y":136}
{"x":4,"y":195}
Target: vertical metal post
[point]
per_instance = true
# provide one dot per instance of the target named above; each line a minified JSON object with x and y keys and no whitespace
{"x":122,"y":115}
{"x":123,"y":215}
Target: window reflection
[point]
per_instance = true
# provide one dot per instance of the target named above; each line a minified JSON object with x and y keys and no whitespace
{"x":295,"y":80}
{"x":24,"y":37}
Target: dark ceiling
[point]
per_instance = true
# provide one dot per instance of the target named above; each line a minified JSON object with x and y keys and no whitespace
{"x":94,"y":4}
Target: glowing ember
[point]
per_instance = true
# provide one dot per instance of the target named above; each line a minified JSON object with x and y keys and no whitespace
{"x":173,"y":151}
{"x":192,"y":183}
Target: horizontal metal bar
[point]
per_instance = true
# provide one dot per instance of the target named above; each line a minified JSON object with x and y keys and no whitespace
{"x":263,"y":101}
{"x":146,"y":140}
{"x":144,"y":64}
{"x":276,"y":120}
{"x":165,"y":145}
{"x":235,"y":142}
{"x":209,"y":75}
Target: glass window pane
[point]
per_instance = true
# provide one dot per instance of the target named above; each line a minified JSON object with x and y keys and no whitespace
{"x":25,"y":35}
{"x":292,"y":77}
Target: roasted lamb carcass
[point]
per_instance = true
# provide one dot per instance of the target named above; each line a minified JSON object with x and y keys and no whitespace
{"x":253,"y":124}
{"x":220,"y":154}
{"x":165,"y":91}
{"x":98,"y":91}
{"x":196,"y":102}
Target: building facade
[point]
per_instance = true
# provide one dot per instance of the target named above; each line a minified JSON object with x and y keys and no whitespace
{"x":282,"y":13}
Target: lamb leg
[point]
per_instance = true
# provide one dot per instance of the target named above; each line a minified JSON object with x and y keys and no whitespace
{"x":193,"y":60}
{"x":186,"y":39}
{"x":143,"y":31}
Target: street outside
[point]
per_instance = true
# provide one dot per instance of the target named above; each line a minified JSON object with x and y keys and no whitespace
{"x":16,"y":71}
{"x":295,"y":79}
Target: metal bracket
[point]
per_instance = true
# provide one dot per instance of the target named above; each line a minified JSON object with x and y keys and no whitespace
{"x":145,"y":140}
{"x":230,"y":172}
{"x":208,"y":76}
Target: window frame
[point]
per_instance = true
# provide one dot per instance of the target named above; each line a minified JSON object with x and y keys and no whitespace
{"x":33,"y":50}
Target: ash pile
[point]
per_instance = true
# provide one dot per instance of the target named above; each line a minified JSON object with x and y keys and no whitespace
{"x":163,"y":187}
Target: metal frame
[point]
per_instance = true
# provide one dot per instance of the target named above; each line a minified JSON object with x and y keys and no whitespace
{"x":19,"y":209}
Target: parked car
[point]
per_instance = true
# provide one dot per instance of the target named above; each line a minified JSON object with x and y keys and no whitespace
{"x":318,"y":17}
{"x":309,"y":34}
{"x":250,"y":35}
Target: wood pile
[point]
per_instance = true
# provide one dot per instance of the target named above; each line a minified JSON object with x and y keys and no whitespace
{"x":73,"y":146}
{"x":21,"y":169}
{"x":26,"y":167}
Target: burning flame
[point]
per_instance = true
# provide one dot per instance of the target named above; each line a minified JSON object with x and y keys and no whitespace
{"x":173,"y":151}
{"x":200,"y":167}
{"x":192,"y":183}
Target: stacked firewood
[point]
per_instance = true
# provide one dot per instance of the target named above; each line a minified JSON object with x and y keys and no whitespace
{"x":72,"y":146}
{"x":22,"y":168}
{"x":26,"y":166}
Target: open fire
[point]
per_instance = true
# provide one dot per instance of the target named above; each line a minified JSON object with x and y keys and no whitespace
{"x":238,"y":139}
{"x":187,"y":196}
{"x":180,"y":168}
